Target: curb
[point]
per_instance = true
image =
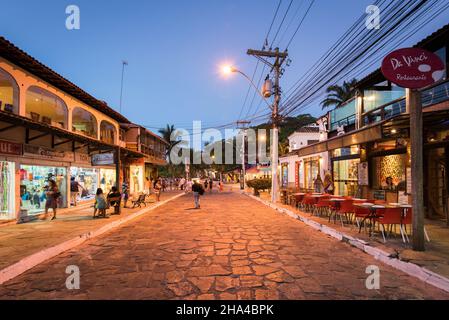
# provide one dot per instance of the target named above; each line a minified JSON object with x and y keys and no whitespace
{"x":411,"y":269}
{"x":33,"y":260}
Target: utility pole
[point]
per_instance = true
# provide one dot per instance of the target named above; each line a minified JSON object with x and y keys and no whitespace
{"x":279,"y":59}
{"x":243,"y":128}
{"x":124,"y":63}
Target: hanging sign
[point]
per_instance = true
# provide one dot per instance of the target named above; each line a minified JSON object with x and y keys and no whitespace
{"x":413,"y":68}
{"x":103,"y":159}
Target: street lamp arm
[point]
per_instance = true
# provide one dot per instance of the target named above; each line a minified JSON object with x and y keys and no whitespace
{"x":254,"y":86}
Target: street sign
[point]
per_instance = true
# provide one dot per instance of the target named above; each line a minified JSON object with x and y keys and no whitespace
{"x":413,"y":68}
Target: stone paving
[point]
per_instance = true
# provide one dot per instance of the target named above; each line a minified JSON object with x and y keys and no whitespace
{"x":231,"y":248}
{"x":20,"y":240}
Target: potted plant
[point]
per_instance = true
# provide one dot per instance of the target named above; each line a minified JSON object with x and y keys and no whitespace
{"x":259,"y":184}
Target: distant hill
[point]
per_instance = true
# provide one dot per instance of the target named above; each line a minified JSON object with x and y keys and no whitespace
{"x":289,"y":125}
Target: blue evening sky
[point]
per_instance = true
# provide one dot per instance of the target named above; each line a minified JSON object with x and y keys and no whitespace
{"x":174,"y":49}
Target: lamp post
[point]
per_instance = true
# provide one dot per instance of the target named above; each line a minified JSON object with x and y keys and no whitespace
{"x":124,"y":63}
{"x":280,"y":57}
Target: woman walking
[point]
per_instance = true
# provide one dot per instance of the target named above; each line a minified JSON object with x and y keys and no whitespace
{"x":158,"y":189}
{"x":53,"y":194}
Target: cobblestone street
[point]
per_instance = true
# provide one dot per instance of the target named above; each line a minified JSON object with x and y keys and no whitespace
{"x":231,"y":248}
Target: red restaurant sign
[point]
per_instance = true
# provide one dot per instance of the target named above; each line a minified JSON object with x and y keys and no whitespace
{"x":10,"y":148}
{"x":413,"y":68}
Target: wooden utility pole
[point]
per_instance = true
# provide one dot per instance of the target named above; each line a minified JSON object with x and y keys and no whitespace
{"x":279,"y":57}
{"x":414,"y":107}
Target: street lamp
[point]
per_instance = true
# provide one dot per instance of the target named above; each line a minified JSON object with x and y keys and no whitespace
{"x":227,"y":70}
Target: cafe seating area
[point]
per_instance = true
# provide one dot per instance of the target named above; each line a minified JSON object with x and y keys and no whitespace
{"x":376,"y":218}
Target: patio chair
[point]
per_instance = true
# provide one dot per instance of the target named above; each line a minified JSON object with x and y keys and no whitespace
{"x":391,"y":217}
{"x":408,"y":220}
{"x":345,"y":209}
{"x":322,"y":206}
{"x":308,"y":202}
{"x":360,"y":214}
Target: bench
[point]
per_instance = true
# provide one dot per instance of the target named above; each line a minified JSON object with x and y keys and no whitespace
{"x":140,"y":200}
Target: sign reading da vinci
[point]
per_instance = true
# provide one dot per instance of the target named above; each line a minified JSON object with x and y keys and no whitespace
{"x":413,"y":68}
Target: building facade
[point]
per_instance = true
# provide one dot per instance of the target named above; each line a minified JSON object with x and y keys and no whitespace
{"x":51,"y":129}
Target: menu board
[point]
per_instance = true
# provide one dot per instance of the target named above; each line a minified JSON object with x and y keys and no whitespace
{"x":379,"y":195}
{"x":409,"y":180}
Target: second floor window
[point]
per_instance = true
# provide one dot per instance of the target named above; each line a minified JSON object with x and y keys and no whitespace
{"x":84,"y":122}
{"x":43,"y":106}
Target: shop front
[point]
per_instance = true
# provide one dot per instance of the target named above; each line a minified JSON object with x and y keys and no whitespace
{"x":34,"y":181}
{"x":7,"y":190}
{"x":345,"y":163}
{"x":104,"y":162}
{"x":8,"y":152}
{"x":87,"y":178}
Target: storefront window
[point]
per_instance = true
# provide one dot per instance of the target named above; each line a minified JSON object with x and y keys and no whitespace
{"x":345,"y":177}
{"x":311,"y":170}
{"x":136,"y":179}
{"x":7,"y":190}
{"x":343,"y":115}
{"x":88,"y":180}
{"x":46,"y":107}
{"x":107,"y":132}
{"x":33,"y":182}
{"x":348,"y":151}
{"x":84,"y":122}
{"x":107,"y":179}
{"x":390,"y":172}
{"x":9,"y":93}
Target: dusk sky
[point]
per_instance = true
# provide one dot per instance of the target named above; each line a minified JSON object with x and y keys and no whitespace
{"x":174,"y":50}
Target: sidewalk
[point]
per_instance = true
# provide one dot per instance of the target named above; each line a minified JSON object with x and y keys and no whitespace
{"x":21,"y":240}
{"x":435,"y":258}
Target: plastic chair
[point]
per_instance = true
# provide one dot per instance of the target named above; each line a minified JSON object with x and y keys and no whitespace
{"x":391,"y":216}
{"x":322,"y":205}
{"x":360,"y":213}
{"x":408,"y":219}
{"x":345,"y":209}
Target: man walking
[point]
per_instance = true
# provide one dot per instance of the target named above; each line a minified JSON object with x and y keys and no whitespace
{"x":197,"y":192}
{"x":74,"y":190}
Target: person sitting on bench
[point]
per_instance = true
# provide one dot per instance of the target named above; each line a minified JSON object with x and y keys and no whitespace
{"x":114,"y":199}
{"x":100,"y":204}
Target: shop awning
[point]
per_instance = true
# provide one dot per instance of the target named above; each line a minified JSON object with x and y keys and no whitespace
{"x":366,"y":134}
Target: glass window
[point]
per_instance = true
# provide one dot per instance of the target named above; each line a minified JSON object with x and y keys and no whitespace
{"x":88,"y":179}
{"x":344,"y":115}
{"x":33,"y":183}
{"x":84,"y":122}
{"x":7,"y":190}
{"x":284,"y":175}
{"x":311,"y":170}
{"x":346,"y":177}
{"x":107,"y":132}
{"x":107,"y":179}
{"x":9,"y":93}
{"x":46,"y":107}
{"x":373,"y":99}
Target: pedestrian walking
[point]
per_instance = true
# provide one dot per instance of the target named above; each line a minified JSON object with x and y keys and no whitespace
{"x":197,"y":192}
{"x":211,"y":185}
{"x":158,"y":189}
{"x":125,"y":191}
{"x":147,"y":186}
{"x":53,"y":195}
{"x":206,"y":184}
{"x":328,"y":184}
{"x":318,"y":184}
{"x":74,"y":190}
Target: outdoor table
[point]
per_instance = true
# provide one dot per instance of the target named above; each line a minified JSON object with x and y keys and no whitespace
{"x":317,"y":197}
{"x":336,"y":201}
{"x":371,"y":216}
{"x":358,"y":199}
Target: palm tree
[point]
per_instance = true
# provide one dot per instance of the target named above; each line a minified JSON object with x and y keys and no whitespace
{"x":337,"y":95}
{"x":167,"y":134}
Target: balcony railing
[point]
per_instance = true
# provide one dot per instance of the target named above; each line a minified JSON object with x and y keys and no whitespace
{"x":343,"y":122}
{"x":386,"y":111}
